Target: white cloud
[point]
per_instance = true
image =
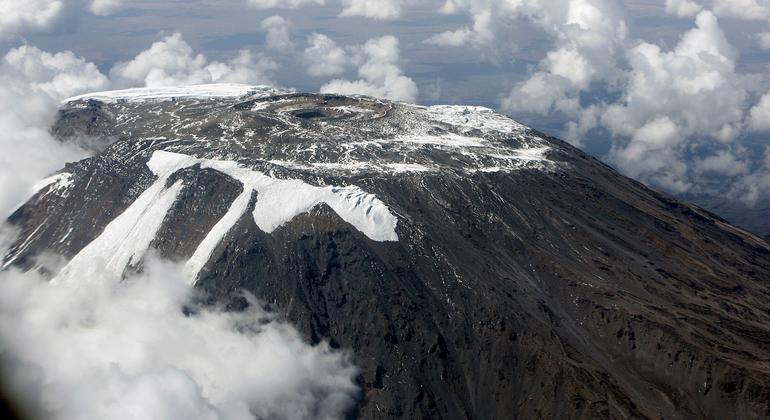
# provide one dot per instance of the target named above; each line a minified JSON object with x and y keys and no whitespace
{"x":373,"y":9}
{"x":480,"y":33}
{"x":569,"y":63}
{"x":140,"y":348}
{"x":682,"y":7}
{"x":651,"y":155}
{"x":695,"y":86}
{"x":588,"y":35}
{"x":538,"y":94}
{"x":277,"y":29}
{"x":323,"y":57}
{"x":282,"y":4}
{"x":172,"y":62}
{"x":106,"y":7}
{"x":759,"y":116}
{"x":743,"y":9}
{"x":751,"y":187}
{"x":59,"y":75}
{"x":32,"y":82}
{"x":19,"y":16}
{"x":723,"y":162}
{"x":379,"y":72}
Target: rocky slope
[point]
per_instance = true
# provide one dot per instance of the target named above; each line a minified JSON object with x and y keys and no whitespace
{"x":476,"y":268}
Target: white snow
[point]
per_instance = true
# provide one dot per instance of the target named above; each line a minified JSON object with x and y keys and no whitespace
{"x":474,"y":117}
{"x":126,"y":239}
{"x":407,"y":167}
{"x":21,"y":248}
{"x":532,"y":154}
{"x":217,"y":90}
{"x":59,"y":182}
{"x":280,"y":200}
{"x":216,"y":234}
{"x":353,"y":166}
{"x":446,"y":140}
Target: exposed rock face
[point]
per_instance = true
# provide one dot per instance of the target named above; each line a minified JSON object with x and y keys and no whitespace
{"x":476,"y":268}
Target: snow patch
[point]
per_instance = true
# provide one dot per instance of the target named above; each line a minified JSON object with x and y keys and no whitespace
{"x":474,"y":118}
{"x":445,"y":140}
{"x":353,"y":166}
{"x":126,"y":239}
{"x":59,"y":182}
{"x":208,"y":91}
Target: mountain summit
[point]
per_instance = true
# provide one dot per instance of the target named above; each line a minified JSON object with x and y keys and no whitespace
{"x":475,"y":267}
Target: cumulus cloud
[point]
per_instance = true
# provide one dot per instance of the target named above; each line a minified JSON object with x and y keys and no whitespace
{"x":106,"y":7}
{"x":750,"y":188}
{"x":588,"y":39}
{"x":20,"y":16}
{"x":379,"y":72}
{"x":695,"y":85}
{"x":59,"y":75}
{"x":172,"y":62}
{"x":141,"y":348}
{"x":759,"y":116}
{"x":373,"y":9}
{"x":743,"y":9}
{"x":277,"y":29}
{"x":682,"y":7}
{"x":481,"y":32}
{"x":323,"y":57}
{"x":282,"y":4}
{"x":32,"y":82}
{"x":724,"y":162}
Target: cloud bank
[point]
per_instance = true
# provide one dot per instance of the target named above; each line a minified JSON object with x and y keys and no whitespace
{"x":106,"y":7}
{"x":278,"y":36}
{"x":20,"y":17}
{"x":378,"y":69}
{"x":32,"y":82}
{"x":282,"y":4}
{"x":323,"y":57}
{"x":172,"y":62}
{"x":140,"y":349}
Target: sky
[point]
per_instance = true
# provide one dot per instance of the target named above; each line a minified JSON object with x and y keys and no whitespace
{"x":675,"y":93}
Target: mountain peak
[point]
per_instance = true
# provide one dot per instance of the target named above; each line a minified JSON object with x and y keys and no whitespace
{"x":316,"y":132}
{"x":169,"y":93}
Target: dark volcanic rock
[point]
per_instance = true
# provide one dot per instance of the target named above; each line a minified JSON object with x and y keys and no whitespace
{"x":528,"y":280}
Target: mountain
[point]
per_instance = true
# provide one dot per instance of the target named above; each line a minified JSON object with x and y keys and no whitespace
{"x":474,"y":267}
